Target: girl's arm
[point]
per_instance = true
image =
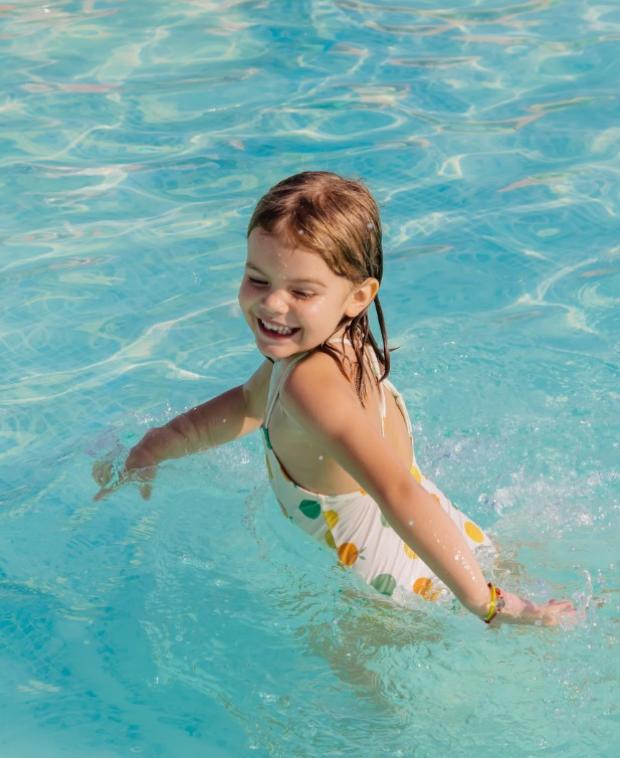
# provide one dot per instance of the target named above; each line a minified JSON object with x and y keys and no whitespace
{"x":333,"y":418}
{"x":222,"y":419}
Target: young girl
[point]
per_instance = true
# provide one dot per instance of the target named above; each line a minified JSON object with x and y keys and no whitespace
{"x":338,"y":440}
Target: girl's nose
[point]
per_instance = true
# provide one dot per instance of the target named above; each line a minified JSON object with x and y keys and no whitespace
{"x":275,"y":302}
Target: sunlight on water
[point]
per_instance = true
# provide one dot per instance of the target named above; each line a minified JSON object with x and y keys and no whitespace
{"x":136,"y":138}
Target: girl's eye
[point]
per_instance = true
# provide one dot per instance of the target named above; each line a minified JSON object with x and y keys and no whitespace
{"x":257,"y":282}
{"x":303,"y":295}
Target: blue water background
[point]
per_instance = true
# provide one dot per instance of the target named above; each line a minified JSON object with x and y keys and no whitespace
{"x":135,"y":139}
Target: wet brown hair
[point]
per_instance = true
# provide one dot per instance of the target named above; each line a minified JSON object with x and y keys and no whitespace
{"x":338,"y":219}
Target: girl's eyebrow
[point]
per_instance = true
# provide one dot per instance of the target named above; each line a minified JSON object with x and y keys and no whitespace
{"x":302,"y":280}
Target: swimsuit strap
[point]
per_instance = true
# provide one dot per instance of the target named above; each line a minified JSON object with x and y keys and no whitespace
{"x":374,"y":362}
{"x":341,"y":341}
{"x":279,"y":373}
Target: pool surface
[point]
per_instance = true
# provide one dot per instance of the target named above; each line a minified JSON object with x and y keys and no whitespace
{"x":136,"y":137}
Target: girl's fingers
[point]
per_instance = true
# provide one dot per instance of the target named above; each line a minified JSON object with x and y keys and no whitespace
{"x":103,"y":492}
{"x":112,"y":485}
{"x":145,"y":474}
{"x":563,"y":608}
{"x":110,"y":473}
{"x":560,"y":613}
{"x":143,"y":477}
{"x":102,"y":472}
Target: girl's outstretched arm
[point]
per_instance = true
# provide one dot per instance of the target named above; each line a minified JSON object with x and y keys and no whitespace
{"x":222,"y":419}
{"x":334,"y":419}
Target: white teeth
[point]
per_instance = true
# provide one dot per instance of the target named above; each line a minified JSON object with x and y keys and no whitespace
{"x":276,"y":327}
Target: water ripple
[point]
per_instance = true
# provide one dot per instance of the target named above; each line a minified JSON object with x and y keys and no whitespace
{"x":136,"y":140}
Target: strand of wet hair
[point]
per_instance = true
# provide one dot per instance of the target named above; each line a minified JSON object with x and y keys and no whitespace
{"x":360,"y":334}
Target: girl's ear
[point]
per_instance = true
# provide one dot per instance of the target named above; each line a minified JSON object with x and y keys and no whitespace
{"x":361,"y":297}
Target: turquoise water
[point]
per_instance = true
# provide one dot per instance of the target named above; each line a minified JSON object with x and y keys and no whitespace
{"x":136,"y":137}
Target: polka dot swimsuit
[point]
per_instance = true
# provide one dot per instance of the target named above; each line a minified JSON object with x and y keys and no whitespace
{"x":353,"y":525}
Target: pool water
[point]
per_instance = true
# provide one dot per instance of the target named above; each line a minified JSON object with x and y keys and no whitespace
{"x":136,"y":137}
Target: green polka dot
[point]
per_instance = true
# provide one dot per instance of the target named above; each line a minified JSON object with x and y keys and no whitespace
{"x":310,"y":508}
{"x":384,"y":521}
{"x":384,"y":583}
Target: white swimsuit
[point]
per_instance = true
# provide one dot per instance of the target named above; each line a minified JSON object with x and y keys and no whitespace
{"x":353,"y":525}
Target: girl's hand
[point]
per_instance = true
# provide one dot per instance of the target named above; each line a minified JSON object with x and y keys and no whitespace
{"x":520,"y":611}
{"x":140,"y":466}
{"x":222,"y":419}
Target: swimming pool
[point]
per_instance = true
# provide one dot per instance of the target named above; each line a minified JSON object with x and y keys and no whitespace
{"x":136,"y":138}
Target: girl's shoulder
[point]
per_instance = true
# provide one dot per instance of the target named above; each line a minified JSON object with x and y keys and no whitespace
{"x":318,"y":378}
{"x":319,"y":365}
{"x":321,"y":399}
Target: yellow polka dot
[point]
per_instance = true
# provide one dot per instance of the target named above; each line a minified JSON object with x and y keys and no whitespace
{"x":331,"y":518}
{"x":415,"y":471}
{"x":269,"y":471}
{"x":424,"y":587}
{"x":348,"y":553}
{"x":409,"y":552}
{"x":329,"y":538}
{"x":362,"y":491}
{"x":437,"y":499}
{"x":473,"y":532}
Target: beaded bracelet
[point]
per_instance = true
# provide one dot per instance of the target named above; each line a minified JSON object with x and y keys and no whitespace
{"x":496,"y":604}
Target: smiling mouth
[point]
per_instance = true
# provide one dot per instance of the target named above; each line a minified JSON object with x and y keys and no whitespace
{"x":275,"y":331}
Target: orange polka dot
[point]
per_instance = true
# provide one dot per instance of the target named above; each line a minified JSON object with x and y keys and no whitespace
{"x":329,"y":538}
{"x":409,"y":552}
{"x":421,"y":585}
{"x":331,"y":518}
{"x":415,"y":472}
{"x":348,"y":553}
{"x":424,"y":587}
{"x":473,"y":532}
{"x":362,"y":491}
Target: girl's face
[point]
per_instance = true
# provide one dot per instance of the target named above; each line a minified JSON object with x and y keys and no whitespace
{"x":290,"y":297}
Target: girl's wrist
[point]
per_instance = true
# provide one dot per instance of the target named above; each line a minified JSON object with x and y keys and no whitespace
{"x":481,"y":606}
{"x":501,"y":606}
{"x":517,"y":610}
{"x":145,"y":452}
{"x":504,"y":607}
{"x":497,"y":603}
